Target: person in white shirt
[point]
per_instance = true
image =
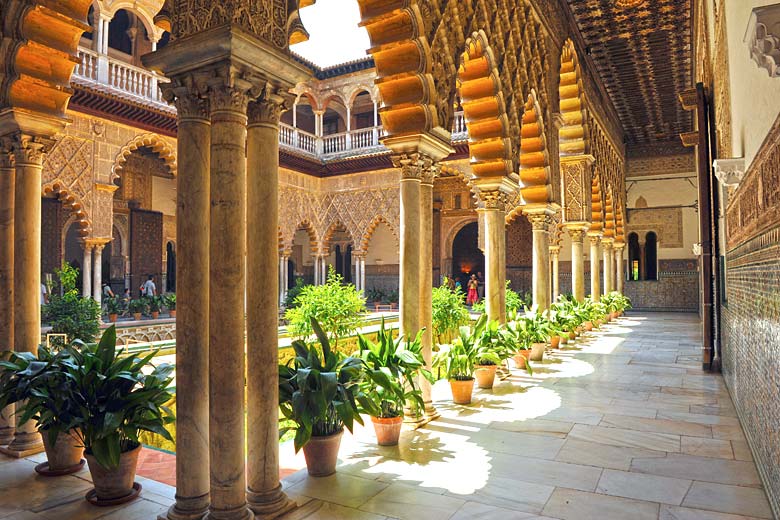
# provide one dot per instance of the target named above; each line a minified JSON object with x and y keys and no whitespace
{"x":44,"y":294}
{"x":150,"y":289}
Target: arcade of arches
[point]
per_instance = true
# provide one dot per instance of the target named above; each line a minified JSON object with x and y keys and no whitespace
{"x":572,"y":146}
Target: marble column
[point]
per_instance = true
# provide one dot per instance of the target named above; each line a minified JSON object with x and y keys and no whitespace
{"x":541,"y":259}
{"x":28,"y":157}
{"x":409,"y":284}
{"x":595,"y":267}
{"x":316,"y":269}
{"x":7,"y":176}
{"x":97,"y":273}
{"x":324,"y":269}
{"x":282,"y":278}
{"x":608,"y":271}
{"x":494,"y":216}
{"x":577,"y":234}
{"x":554,"y":257}
{"x":426,"y":279}
{"x":264,"y":490}
{"x":193,"y":146}
{"x":620,"y":273}
{"x":86,"y":270}
{"x":227,"y":270}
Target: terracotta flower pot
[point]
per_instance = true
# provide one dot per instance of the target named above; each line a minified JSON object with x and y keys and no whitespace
{"x":65,"y":453}
{"x":155,"y":315}
{"x":113,"y":317}
{"x":485,"y":375}
{"x":564,"y":338}
{"x":537,"y":351}
{"x":588,"y":325}
{"x":555,"y":341}
{"x":388,"y":430}
{"x":322,"y":454}
{"x":572,"y":335}
{"x":137,"y":316}
{"x":578,"y":330}
{"x":112,"y":484}
{"x":521,"y":358}
{"x":172,"y":313}
{"x":461,"y":390}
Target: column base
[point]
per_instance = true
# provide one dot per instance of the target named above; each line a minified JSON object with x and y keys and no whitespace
{"x":239,"y":513}
{"x":177,"y":511}
{"x":24,"y":445}
{"x":7,"y":435}
{"x":271,"y":504}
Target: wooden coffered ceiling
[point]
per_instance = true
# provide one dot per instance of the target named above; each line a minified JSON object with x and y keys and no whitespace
{"x":642,"y":52}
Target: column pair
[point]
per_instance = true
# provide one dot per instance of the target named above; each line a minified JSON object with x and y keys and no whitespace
{"x":92,"y":278}
{"x":284,"y":263}
{"x":20,"y":229}
{"x":360,"y":271}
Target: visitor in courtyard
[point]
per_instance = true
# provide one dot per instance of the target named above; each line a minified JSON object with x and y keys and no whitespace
{"x":480,"y":286}
{"x":44,"y":294}
{"x":473,"y":295}
{"x":149,"y":289}
{"x":107,"y":292}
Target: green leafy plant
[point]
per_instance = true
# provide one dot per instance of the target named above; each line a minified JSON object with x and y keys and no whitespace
{"x":375,"y":295}
{"x":139,"y":306}
{"x":70,"y":314}
{"x":155,"y":303}
{"x":336,"y":307}
{"x":113,"y":305}
{"x":449,"y":311}
{"x":514,"y":302}
{"x":41,"y":391}
{"x":392,"y":369}
{"x":293,"y":292}
{"x":458,"y":359}
{"x":118,"y":397}
{"x":492,"y":349}
{"x":320,"y":391}
{"x":170,"y":301}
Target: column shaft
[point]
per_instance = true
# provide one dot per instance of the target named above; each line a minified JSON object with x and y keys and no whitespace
{"x":192,"y":316}
{"x":495,"y":258}
{"x":577,"y":264}
{"x":97,"y":274}
{"x":426,"y":281}
{"x":620,"y":274}
{"x":227,"y":263}
{"x":7,"y":176}
{"x":28,"y":156}
{"x":86,"y":271}
{"x":264,"y":491}
{"x":409,"y":284}
{"x":595,"y":269}
{"x":607,"y":250}
{"x":541,"y":261}
{"x":556,"y":288}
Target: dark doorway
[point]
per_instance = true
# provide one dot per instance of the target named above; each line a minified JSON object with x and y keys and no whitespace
{"x":651,"y":256}
{"x":170,"y":274}
{"x":467,"y":259}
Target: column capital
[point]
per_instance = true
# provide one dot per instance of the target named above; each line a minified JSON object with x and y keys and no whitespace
{"x":187,"y":94}
{"x":594,"y":238}
{"x":555,"y":250}
{"x":494,"y":199}
{"x":28,"y":149}
{"x":413,"y":166}
{"x":539,"y":221}
{"x":606,"y":243}
{"x":7,"y":159}
{"x":268,"y":105}
{"x":576,"y":230}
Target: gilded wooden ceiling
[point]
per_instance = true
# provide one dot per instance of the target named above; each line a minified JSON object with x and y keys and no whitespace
{"x":642,"y":52}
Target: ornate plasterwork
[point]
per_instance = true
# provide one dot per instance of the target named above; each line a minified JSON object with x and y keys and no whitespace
{"x":666,"y":223}
{"x":68,"y":174}
{"x":763,"y":38}
{"x":165,"y":150}
{"x":729,"y":171}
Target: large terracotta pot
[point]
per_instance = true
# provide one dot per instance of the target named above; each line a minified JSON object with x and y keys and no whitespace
{"x":116,"y":483}
{"x":564,"y":338}
{"x":322,"y":454}
{"x":588,"y":325}
{"x":388,"y":430}
{"x":155,"y":315}
{"x":555,"y":341}
{"x":461,"y":390}
{"x":521,"y":358}
{"x":485,"y":375}
{"x":65,"y":454}
{"x":572,"y":335}
{"x":137,"y":316}
{"x":172,"y":313}
{"x":537,"y":351}
{"x":113,"y":317}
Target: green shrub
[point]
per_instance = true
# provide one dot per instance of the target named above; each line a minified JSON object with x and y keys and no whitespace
{"x":449,"y":311}
{"x":292,"y":294}
{"x":336,"y":307}
{"x":70,"y":314}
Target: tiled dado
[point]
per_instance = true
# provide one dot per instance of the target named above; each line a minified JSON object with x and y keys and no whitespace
{"x":751,"y":351}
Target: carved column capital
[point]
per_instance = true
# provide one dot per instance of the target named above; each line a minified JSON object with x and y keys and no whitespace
{"x":412,"y":165}
{"x":29,"y":149}
{"x":494,"y":199}
{"x":555,"y":250}
{"x":6,"y":153}
{"x":429,"y":174}
{"x":269,"y":103}
{"x":577,"y":232}
{"x":539,"y":221}
{"x":594,"y":239}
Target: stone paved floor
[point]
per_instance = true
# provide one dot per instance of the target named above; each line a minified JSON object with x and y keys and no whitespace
{"x":623,"y":425}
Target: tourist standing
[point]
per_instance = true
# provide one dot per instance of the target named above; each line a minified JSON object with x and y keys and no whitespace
{"x":149,"y":289}
{"x":472,"y":296}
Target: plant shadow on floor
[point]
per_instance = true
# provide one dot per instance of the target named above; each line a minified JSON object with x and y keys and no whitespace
{"x":415,"y":446}
{"x":478,"y":405}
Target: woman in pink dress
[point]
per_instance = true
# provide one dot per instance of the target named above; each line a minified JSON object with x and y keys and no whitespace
{"x":472,"y":296}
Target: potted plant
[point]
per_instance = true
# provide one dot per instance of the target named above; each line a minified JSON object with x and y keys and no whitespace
{"x":459,"y":359}
{"x":392,"y":369}
{"x":113,"y":308}
{"x":319,"y":393}
{"x":118,"y":397}
{"x":170,"y":302}
{"x":155,"y":304}
{"x":536,"y":330}
{"x":42,"y":393}
{"x":137,"y":308}
{"x":515,"y":341}
{"x":491,"y":352}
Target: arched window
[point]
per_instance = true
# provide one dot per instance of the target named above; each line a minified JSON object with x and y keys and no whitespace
{"x":634,"y":257}
{"x":651,"y":256}
{"x":118,"y":35}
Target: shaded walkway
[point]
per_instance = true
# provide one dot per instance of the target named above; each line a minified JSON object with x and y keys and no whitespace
{"x":622,"y":425}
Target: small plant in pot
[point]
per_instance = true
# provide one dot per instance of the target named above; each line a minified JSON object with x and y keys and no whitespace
{"x":137,"y":308}
{"x":170,"y":303}
{"x":458,"y":361}
{"x":42,"y":393}
{"x":536,"y":331}
{"x":516,"y":340}
{"x":319,"y":392}
{"x":392,"y":371}
{"x":155,"y":304}
{"x":118,"y":397}
{"x":113,"y":308}
{"x":491,"y":352}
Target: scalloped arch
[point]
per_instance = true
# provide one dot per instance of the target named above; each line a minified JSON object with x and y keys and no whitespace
{"x":159,"y":145}
{"x":334,"y":227}
{"x":609,"y":214}
{"x":372,"y":226}
{"x":308,"y":227}
{"x":597,"y":203}
{"x":72,"y":202}
{"x":534,"y":172}
{"x":572,"y":135}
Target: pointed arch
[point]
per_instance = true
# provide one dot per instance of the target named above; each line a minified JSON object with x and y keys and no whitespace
{"x":535,"y":185}
{"x":332,"y":228}
{"x":306,"y":226}
{"x":159,"y":145}
{"x":375,"y":222}
{"x":482,"y":98}
{"x":72,"y":202}
{"x":571,"y":93}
